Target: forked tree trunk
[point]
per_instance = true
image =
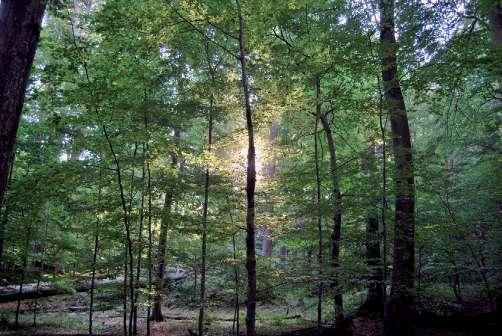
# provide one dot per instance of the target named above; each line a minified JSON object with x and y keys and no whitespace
{"x":336,"y":206}
{"x":399,"y":308}
{"x":20,"y":25}
{"x":250,"y":185}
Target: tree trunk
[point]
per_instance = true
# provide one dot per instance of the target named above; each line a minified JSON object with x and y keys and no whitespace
{"x":250,"y":186}
{"x":399,"y":310}
{"x":235,"y":323}
{"x":95,"y":256}
{"x":161,"y":253}
{"x":337,"y":202}
{"x":140,"y":245}
{"x":124,"y":292}
{"x":150,"y":264}
{"x":383,"y":202}
{"x":20,"y":25}
{"x":41,"y":269}
{"x":23,"y":273}
{"x":204,"y":211}
{"x":495,"y":18}
{"x":375,"y":300}
{"x":319,"y":228}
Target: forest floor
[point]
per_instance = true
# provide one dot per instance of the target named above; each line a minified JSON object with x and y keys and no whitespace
{"x":68,"y":315}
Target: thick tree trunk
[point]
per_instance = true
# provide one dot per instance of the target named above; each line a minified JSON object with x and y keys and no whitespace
{"x":161,"y":253}
{"x":495,"y":18}
{"x":20,"y":25}
{"x":337,"y":202}
{"x":250,"y":186}
{"x":383,"y":201}
{"x":399,"y":310}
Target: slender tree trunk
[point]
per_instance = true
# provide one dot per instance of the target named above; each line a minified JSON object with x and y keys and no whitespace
{"x":20,"y":25}
{"x":204,"y":211}
{"x":132,"y":289}
{"x":375,"y":300}
{"x":125,"y":208}
{"x":124,"y":292}
{"x":95,"y":256}
{"x":319,"y":226}
{"x":23,"y":274}
{"x":235,"y":323}
{"x":161,"y":253}
{"x":195,"y":279}
{"x":150,"y":264}
{"x":250,"y":186}
{"x":337,"y":202}
{"x":399,"y":307}
{"x":41,"y":269}
{"x":140,"y":245}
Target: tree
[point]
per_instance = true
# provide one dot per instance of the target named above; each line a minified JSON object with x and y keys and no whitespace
{"x":161,"y":252}
{"x":20,"y":25}
{"x":250,"y":184}
{"x":336,"y":207}
{"x":399,"y":308}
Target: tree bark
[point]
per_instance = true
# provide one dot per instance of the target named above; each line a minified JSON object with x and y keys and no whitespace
{"x":140,"y":244}
{"x":150,"y":264}
{"x":23,"y":273}
{"x":398,"y":311}
{"x":95,"y":256}
{"x":250,"y":186}
{"x":495,"y":19}
{"x":161,"y":253}
{"x":319,"y":228}
{"x":337,"y":202}
{"x":204,"y":210}
{"x":20,"y":25}
{"x":236,"y":322}
{"x":375,"y":300}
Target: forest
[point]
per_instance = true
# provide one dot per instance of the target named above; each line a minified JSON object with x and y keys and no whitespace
{"x":251,"y":167}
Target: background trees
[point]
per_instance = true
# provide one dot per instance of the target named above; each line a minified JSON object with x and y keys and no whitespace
{"x":147,"y":125}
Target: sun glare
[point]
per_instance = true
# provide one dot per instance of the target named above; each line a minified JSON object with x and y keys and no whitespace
{"x":258,"y":158}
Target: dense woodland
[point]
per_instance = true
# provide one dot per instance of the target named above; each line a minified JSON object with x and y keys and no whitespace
{"x":254,"y":167}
